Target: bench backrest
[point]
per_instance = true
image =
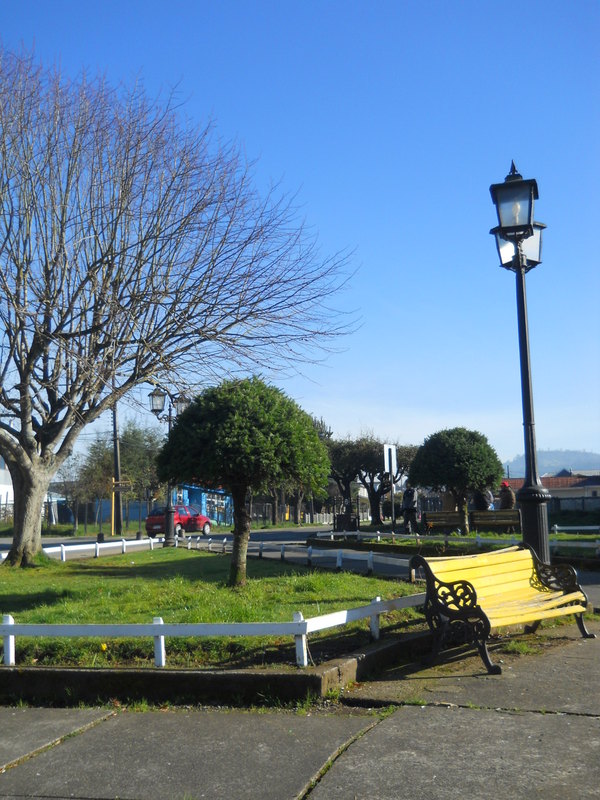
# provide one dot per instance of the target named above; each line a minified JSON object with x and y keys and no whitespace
{"x":506,"y":516}
{"x":510,"y":571}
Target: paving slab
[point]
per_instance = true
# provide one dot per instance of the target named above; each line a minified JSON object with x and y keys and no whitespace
{"x":561,"y":675}
{"x":188,"y":754}
{"x":435,"y":752}
{"x":25,"y":731}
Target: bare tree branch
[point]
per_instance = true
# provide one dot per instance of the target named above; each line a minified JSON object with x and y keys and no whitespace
{"x":133,"y":246}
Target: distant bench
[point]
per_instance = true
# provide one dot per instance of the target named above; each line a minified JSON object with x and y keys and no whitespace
{"x":441,"y":520}
{"x":505,"y":521}
{"x":467,"y":596}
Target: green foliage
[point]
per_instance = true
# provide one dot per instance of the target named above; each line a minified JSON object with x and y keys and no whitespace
{"x":456,"y":460}
{"x":344,"y":465}
{"x":138,"y":448}
{"x":362,"y":459}
{"x":245,"y":433}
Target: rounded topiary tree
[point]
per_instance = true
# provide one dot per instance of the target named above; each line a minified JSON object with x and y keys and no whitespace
{"x":459,"y":461}
{"x":244,"y":435}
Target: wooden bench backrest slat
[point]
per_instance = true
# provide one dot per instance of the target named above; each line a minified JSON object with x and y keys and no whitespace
{"x":507,"y":559}
{"x":507,"y":573}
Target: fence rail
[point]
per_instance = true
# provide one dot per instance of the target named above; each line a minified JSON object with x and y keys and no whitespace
{"x":299,"y":628}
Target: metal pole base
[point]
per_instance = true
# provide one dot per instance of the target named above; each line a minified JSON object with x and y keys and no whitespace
{"x":169,"y":527}
{"x":533,"y":502}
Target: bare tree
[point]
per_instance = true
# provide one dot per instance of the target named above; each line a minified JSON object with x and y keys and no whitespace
{"x":133,"y":247}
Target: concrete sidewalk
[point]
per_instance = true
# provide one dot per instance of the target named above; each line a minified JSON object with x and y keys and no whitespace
{"x":456,"y":731}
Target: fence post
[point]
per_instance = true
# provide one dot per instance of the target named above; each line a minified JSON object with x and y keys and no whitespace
{"x":309,"y":555}
{"x":338,"y":562}
{"x":97,"y":550}
{"x":478,"y":540}
{"x":282,"y":555}
{"x":374,"y":622}
{"x":370,"y":563}
{"x":63,"y":553}
{"x":151,"y":540}
{"x":189,"y":542}
{"x":160,"y":656}
{"x":260,"y":549}
{"x":224,"y":543}
{"x":123,"y":545}
{"x":301,"y":643}
{"x":9,"y":643}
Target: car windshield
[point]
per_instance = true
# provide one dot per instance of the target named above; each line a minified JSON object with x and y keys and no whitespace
{"x":156,"y":511}
{"x":196,"y":511}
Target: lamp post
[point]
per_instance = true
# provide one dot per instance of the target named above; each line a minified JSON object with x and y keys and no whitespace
{"x":157,"y":404}
{"x":519,"y":244}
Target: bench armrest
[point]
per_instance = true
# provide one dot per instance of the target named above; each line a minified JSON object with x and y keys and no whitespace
{"x":455,"y":597}
{"x":557,"y":577}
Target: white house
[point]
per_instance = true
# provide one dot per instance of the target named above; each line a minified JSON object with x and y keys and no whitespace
{"x":6,"y":487}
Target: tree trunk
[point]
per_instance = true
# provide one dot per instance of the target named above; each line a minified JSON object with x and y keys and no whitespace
{"x":241,"y":536}
{"x":375,"y":506}
{"x":298,"y":500}
{"x":76,"y":516}
{"x":463,"y":507}
{"x":30,"y":488}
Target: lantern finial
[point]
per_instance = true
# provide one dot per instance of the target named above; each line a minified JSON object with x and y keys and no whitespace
{"x":513,"y":175}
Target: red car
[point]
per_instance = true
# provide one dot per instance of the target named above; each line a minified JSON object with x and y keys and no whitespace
{"x":186,"y":519}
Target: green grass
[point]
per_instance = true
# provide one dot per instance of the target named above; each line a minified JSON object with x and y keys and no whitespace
{"x":184,"y":586}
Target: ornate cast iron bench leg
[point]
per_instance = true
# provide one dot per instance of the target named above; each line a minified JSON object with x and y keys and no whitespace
{"x":584,"y":631}
{"x":493,"y":669}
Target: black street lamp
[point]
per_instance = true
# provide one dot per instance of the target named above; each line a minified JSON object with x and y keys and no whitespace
{"x":519,"y":243}
{"x":158,"y":399}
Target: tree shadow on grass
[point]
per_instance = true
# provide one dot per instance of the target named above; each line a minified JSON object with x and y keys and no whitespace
{"x":13,"y":603}
{"x":213,"y":569}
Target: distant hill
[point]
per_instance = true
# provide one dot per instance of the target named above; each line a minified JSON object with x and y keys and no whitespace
{"x":552,"y":461}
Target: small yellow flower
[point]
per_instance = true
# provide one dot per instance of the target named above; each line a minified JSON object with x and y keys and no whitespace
{"x":104,"y":647}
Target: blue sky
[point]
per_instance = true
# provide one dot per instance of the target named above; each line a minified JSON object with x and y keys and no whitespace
{"x":389,"y":121}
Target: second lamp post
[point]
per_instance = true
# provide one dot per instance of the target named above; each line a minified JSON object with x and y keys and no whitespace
{"x":158,"y":399}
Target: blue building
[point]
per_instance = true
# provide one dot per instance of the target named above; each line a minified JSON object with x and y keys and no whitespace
{"x":215,"y":504}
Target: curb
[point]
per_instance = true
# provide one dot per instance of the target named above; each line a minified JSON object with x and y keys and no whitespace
{"x":70,"y":686}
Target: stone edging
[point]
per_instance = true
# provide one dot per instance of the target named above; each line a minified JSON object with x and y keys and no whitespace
{"x":70,"y":686}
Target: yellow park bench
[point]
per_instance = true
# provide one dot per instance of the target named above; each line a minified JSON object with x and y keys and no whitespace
{"x":468,"y":596}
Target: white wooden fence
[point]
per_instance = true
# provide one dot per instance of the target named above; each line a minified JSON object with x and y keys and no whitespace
{"x":123,"y":546}
{"x":480,"y":541}
{"x":299,"y":628}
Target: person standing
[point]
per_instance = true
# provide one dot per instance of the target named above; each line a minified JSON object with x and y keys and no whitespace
{"x":409,"y":509}
{"x":507,"y":496}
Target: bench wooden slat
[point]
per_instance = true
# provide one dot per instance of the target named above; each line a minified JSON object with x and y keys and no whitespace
{"x":473,"y":594}
{"x":549,"y":613}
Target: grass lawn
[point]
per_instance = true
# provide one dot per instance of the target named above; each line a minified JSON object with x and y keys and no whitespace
{"x":185,"y":586}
